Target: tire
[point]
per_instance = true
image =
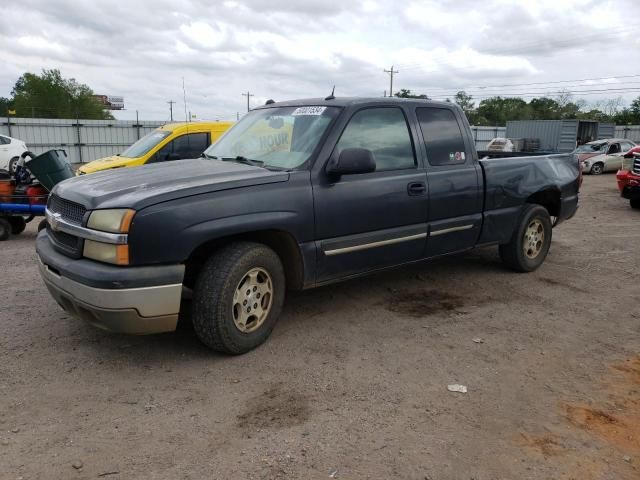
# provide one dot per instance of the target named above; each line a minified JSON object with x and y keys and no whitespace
{"x":533,"y":226}
{"x":42,"y":225}
{"x":635,"y":203}
{"x":18,"y":225}
{"x":12,"y":165}
{"x":597,"y":168}
{"x":219,"y":298}
{"x":5,"y":229}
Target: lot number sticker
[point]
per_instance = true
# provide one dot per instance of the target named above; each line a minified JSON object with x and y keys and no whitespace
{"x":308,"y":111}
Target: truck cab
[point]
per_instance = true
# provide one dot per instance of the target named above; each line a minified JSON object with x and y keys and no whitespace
{"x":173,"y":141}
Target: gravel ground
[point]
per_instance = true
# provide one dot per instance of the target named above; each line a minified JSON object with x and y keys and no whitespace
{"x":353,"y":382}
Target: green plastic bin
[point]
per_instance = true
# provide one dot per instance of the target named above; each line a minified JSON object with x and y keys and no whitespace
{"x":50,"y":168}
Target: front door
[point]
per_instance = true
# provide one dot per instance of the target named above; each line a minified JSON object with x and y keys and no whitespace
{"x":454,"y":177}
{"x":372,"y":220}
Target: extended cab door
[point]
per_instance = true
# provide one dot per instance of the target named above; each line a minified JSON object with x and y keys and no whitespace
{"x":455,"y":181}
{"x":371,"y":220}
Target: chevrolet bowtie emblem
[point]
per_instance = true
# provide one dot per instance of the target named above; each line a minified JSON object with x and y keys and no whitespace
{"x":54,"y":220}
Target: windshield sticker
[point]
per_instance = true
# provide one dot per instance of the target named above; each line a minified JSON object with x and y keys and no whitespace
{"x":308,"y":111}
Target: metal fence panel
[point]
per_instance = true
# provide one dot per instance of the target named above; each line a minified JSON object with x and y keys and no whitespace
{"x":632,"y":132}
{"x":83,"y":140}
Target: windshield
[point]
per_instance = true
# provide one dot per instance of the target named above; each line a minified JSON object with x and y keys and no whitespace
{"x":145,"y":144}
{"x":281,"y":137}
{"x":590,"y":147}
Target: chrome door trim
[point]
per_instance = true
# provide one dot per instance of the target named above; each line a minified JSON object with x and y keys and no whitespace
{"x":444,"y":231}
{"x":381,"y":243}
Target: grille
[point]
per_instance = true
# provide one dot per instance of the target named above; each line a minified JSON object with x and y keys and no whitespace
{"x":636,"y":166}
{"x":70,"y":211}
{"x":67,"y":244}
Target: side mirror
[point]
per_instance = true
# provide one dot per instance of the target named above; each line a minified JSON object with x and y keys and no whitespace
{"x":352,"y":161}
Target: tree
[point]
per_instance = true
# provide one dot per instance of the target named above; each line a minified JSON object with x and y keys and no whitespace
{"x":499,"y":110}
{"x":466,"y":103}
{"x":50,"y":96}
{"x":404,"y":93}
{"x":544,"y":109}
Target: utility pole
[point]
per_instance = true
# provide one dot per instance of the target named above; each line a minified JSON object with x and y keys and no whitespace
{"x":171,"y":102}
{"x":248,"y":95}
{"x":391,"y":72}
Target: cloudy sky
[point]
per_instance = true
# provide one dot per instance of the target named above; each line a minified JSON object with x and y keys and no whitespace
{"x":285,"y":49}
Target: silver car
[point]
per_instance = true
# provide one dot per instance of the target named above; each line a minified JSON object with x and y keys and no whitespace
{"x":604,"y":155}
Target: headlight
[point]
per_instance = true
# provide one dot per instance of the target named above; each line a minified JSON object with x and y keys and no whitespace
{"x":117,"y":220}
{"x":106,"y":252}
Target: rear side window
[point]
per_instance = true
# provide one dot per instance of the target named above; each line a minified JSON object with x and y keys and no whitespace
{"x":384,"y":131}
{"x":442,"y":136}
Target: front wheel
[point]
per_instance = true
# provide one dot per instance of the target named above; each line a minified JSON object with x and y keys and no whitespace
{"x":530,"y":241}
{"x":238,"y":297}
{"x":597,"y":168}
{"x":635,"y":203}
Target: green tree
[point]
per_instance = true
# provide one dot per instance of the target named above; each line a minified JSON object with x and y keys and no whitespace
{"x":466,"y":103}
{"x":544,"y":109}
{"x":499,"y":110}
{"x":404,"y":93}
{"x":49,"y":95}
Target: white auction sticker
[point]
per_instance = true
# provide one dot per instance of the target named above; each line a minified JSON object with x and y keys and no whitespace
{"x":308,"y":111}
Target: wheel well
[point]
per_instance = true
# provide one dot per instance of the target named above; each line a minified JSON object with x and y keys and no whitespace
{"x":549,"y":199}
{"x":281,"y":242}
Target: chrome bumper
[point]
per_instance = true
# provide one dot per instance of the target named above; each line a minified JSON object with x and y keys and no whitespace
{"x":139,"y":311}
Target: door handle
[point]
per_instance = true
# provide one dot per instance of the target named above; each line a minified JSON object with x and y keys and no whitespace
{"x":416,"y":188}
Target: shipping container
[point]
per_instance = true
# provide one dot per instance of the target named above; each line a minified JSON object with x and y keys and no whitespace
{"x":560,"y":136}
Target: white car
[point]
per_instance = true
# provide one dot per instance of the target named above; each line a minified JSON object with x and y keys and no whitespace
{"x":10,"y":151}
{"x":603,"y":155}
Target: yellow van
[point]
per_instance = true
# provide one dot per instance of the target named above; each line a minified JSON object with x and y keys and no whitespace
{"x":173,"y":141}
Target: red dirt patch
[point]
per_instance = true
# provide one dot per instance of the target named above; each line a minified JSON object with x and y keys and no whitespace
{"x":546,"y":444}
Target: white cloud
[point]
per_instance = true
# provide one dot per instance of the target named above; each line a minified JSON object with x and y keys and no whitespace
{"x":285,"y":49}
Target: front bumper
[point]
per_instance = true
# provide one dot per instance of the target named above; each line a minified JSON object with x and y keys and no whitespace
{"x":134,"y":300}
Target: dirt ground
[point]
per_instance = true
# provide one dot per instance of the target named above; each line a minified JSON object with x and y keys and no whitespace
{"x":353,"y":382}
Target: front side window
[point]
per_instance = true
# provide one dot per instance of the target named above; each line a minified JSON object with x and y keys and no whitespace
{"x":384,"y":131}
{"x":442,"y":136}
{"x":279,"y":137}
{"x":145,"y":144}
{"x":614,"y":148}
{"x":4,"y":140}
{"x":190,"y":145}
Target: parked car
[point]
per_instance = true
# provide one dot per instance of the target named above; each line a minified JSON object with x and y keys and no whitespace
{"x":339,"y":188}
{"x":10,"y":151}
{"x":173,"y":141}
{"x":628,"y":177}
{"x":603,"y":155}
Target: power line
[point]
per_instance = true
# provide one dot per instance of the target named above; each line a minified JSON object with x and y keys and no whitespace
{"x":391,"y":72}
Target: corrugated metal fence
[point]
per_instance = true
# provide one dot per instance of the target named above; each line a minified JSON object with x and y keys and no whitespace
{"x":632,"y":132}
{"x":83,"y":140}
{"x":483,"y":135}
{"x":87,"y":140}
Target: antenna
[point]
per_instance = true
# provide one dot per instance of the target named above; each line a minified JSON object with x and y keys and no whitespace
{"x":184,"y":99}
{"x":332,"y":96}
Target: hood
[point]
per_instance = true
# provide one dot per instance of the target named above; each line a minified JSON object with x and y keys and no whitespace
{"x":105,"y":163}
{"x":150,"y":184}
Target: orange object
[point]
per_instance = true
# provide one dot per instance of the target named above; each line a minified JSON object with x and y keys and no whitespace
{"x":6,"y":191}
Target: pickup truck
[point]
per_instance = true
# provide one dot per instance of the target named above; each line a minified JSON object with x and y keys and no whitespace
{"x":298,"y":194}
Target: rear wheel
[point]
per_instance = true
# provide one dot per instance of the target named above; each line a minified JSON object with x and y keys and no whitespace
{"x":597,"y":168}
{"x":530,"y":241}
{"x":5,"y":229}
{"x":18,"y":224}
{"x":238,"y":297}
{"x":635,"y":203}
{"x":12,"y":165}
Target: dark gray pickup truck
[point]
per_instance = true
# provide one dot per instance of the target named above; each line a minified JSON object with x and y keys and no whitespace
{"x":296,"y":195}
